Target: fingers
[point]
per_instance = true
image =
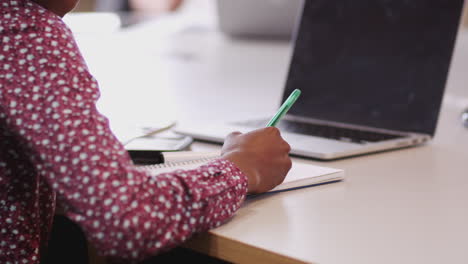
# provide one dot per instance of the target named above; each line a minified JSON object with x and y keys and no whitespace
{"x":273,"y":130}
{"x":283,"y":145}
{"x":262,"y":154}
{"x":272,"y":134}
{"x":284,"y":168}
{"x":288,"y":166}
{"x":233,"y":135}
{"x":268,"y":131}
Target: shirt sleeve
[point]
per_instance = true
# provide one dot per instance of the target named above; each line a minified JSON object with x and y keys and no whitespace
{"x":49,"y":102}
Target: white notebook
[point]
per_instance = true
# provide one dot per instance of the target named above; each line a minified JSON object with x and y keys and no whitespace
{"x":301,"y":174}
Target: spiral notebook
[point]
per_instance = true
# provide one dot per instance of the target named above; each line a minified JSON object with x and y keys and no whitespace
{"x":301,"y":174}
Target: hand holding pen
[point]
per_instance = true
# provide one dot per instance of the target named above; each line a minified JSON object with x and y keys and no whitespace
{"x":262,"y":155}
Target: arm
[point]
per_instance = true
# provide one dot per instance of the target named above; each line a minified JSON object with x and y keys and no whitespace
{"x":48,"y":103}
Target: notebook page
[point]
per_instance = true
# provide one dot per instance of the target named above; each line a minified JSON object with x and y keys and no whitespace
{"x":301,"y":174}
{"x":301,"y":171}
{"x":183,"y":156}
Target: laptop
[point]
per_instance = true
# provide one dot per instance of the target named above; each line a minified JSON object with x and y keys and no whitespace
{"x":372,"y":76}
{"x":258,"y":18}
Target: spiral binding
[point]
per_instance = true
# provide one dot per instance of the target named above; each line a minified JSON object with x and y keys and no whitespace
{"x":177,"y":164}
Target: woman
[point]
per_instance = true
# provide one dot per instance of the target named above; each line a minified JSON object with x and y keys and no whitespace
{"x":55,"y":145}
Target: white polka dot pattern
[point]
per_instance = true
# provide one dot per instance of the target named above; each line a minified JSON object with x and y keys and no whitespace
{"x":54,"y":142}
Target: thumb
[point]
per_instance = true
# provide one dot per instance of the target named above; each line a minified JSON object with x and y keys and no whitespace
{"x":233,"y":135}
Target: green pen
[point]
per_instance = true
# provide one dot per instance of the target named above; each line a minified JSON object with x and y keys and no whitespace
{"x":284,"y":108}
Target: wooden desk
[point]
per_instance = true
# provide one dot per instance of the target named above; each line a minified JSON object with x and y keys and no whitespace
{"x":406,"y":206}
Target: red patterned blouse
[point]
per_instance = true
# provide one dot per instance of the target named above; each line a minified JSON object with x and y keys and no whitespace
{"x":55,"y":144}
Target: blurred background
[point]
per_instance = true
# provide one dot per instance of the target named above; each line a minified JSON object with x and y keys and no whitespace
{"x":126,"y":5}
{"x":155,"y":6}
{"x":156,"y":42}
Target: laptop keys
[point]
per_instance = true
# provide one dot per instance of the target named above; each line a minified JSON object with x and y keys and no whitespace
{"x":326,"y":131}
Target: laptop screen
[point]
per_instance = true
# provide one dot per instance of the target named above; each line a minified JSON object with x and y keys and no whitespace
{"x":378,"y":63}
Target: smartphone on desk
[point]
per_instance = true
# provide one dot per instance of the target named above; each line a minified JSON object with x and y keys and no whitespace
{"x":148,"y":150}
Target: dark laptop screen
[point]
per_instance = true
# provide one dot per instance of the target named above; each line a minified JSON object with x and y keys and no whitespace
{"x":379,"y":63}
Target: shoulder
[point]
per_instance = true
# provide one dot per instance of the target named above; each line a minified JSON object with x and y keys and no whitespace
{"x":38,"y":49}
{"x":20,"y":16}
{"x":37,"y":30}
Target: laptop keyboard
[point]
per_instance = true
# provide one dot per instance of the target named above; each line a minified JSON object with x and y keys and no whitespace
{"x":326,"y":131}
